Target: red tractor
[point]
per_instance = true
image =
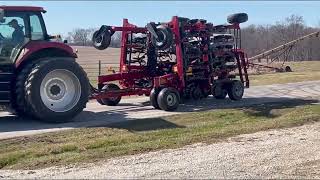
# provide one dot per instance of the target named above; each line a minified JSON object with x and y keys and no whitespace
{"x":183,"y":58}
{"x":39,"y":78}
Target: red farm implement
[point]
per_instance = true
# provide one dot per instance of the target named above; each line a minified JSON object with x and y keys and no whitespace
{"x":183,"y":58}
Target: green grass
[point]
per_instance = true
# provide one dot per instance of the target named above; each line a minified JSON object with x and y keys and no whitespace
{"x":302,"y":71}
{"x":144,"y":135}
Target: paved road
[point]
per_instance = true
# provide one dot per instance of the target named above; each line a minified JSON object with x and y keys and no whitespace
{"x":97,"y":115}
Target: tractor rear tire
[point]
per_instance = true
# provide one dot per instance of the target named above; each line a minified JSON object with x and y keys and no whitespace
{"x":57,"y":89}
{"x":20,"y":105}
{"x":237,"y":18}
{"x":168,"y":99}
{"x":114,"y":100}
{"x":236,"y":90}
{"x":153,"y":97}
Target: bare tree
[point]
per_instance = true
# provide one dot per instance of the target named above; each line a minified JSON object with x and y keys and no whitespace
{"x":83,"y":37}
{"x":80,"y":36}
{"x":116,"y":40}
{"x":257,"y":39}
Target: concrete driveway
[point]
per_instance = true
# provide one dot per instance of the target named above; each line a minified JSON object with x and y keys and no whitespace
{"x":137,"y":108}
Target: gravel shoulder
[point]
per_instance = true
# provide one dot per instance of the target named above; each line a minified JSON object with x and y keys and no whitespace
{"x":281,"y":153}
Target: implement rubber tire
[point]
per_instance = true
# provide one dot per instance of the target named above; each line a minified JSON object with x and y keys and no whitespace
{"x":111,"y":101}
{"x":101,"y":40}
{"x":153,"y":97}
{"x":288,"y":69}
{"x":46,"y":90}
{"x":196,"y":93}
{"x":219,"y":92}
{"x":237,"y":18}
{"x":236,"y":90}
{"x":100,"y":102}
{"x":165,"y":40}
{"x":168,"y":99}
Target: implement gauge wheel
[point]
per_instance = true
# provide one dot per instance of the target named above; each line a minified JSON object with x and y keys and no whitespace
{"x":168,"y":99}
{"x":236,"y":90}
{"x":153,"y":97}
{"x":219,"y":92}
{"x":111,"y":101}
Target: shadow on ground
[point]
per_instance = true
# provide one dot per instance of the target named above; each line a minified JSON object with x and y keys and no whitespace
{"x":116,"y":117}
{"x":145,"y":124}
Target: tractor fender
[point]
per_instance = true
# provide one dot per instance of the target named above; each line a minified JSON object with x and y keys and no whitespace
{"x":31,"y":49}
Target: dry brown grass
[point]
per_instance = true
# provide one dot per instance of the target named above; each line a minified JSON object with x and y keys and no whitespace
{"x":302,"y":71}
{"x":89,"y":58}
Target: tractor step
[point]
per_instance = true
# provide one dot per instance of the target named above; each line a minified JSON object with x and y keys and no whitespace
{"x":5,"y":87}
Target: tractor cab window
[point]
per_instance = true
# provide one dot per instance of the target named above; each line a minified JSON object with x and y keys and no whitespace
{"x":12,"y":34}
{"x":36,"y":28}
{"x":12,"y":30}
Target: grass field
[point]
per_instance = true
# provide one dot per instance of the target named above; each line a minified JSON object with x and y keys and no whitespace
{"x":138,"y":136}
{"x":302,"y":71}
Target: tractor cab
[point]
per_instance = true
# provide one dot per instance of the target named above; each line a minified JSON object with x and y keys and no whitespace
{"x":18,"y":26}
{"x":38,"y":78}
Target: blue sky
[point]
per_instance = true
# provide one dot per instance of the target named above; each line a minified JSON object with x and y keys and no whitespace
{"x":63,"y":16}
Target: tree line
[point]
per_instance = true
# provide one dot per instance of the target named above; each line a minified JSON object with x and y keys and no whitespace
{"x":83,"y":37}
{"x":259,"y":38}
{"x":255,"y":38}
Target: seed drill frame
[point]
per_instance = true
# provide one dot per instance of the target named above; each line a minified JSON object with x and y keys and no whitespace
{"x":142,"y":73}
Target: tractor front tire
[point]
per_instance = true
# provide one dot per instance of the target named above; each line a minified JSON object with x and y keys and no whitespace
{"x":57,"y":89}
{"x":168,"y":99}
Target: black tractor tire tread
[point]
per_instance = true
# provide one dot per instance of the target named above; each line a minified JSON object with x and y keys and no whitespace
{"x":38,"y":108}
{"x":21,"y":107}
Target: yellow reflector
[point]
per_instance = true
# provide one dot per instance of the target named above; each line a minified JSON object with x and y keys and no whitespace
{"x":175,"y":68}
